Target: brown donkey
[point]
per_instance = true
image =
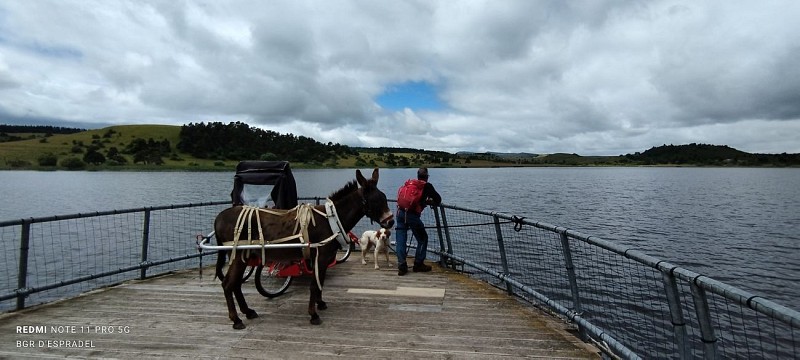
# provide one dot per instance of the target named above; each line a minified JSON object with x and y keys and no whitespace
{"x":238,"y":224}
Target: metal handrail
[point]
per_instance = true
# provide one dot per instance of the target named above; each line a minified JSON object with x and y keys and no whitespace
{"x":23,"y":290}
{"x":689,"y":312}
{"x":701,"y":288}
{"x":34,"y":220}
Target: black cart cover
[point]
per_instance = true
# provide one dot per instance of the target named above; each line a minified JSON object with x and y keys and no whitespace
{"x":277,"y":173}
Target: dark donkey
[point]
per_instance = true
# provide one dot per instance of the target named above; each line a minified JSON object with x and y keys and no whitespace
{"x":351,"y":203}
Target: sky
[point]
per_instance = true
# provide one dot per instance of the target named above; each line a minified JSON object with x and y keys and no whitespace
{"x":591,"y":77}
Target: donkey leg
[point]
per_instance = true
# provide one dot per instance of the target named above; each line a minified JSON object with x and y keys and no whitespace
{"x":232,"y":286}
{"x":321,"y":305}
{"x":312,"y":308}
{"x":246,"y":310}
{"x":238,"y":270}
{"x":232,"y":314}
{"x":315,"y":297}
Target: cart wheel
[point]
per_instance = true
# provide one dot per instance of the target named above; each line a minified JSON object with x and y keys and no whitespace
{"x":247,"y":272}
{"x":342,"y":256}
{"x":268,"y":283}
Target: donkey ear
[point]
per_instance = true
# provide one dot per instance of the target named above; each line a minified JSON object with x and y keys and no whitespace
{"x":360,"y":178}
{"x":375,"y":175}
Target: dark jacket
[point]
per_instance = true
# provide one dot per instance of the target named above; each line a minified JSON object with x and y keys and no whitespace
{"x":430,"y":196}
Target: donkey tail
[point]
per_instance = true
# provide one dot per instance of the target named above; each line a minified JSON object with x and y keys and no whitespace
{"x":221,"y":258}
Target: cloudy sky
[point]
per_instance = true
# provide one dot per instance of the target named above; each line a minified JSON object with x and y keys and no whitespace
{"x":589,"y":77}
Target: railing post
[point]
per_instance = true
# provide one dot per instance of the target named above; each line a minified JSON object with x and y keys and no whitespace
{"x":573,"y":280}
{"x":22,"y":274}
{"x":502,"y":248}
{"x":439,"y":226}
{"x":449,"y":242}
{"x":145,"y":243}
{"x":704,"y":320}
{"x":676,"y":314}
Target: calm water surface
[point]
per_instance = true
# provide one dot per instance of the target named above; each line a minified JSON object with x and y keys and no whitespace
{"x":739,"y":226}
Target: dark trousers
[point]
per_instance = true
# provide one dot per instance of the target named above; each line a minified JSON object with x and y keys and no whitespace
{"x":408,"y":220}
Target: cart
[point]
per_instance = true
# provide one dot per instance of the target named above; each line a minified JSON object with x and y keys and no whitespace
{"x":269,"y":184}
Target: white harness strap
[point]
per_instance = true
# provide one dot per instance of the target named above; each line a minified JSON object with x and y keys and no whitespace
{"x":304,"y":216}
{"x":336,"y":224}
{"x":244,"y":216}
{"x":245,"y":219}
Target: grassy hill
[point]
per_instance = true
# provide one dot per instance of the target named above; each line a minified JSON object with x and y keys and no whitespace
{"x":25,"y":154}
{"x":59,"y":149}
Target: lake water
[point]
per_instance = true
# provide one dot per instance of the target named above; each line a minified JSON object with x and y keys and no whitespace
{"x":737,"y":225}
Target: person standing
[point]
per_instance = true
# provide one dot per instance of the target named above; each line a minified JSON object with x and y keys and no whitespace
{"x":412,"y":198}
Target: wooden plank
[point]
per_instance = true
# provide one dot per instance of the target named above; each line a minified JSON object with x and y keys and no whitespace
{"x":401,"y":291}
{"x":372,"y":314}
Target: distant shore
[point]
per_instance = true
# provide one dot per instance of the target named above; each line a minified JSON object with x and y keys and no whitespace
{"x":232,"y":167}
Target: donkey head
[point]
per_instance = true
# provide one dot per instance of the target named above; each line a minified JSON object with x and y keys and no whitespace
{"x":375,"y":205}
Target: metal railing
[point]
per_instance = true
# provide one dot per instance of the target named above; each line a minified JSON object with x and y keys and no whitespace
{"x":629,"y":304}
{"x":49,"y":258}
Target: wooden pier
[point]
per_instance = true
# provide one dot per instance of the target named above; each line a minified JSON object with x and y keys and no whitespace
{"x":372,"y":314}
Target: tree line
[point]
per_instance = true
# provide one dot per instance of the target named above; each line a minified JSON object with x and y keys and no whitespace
{"x":713,"y":155}
{"x":239,"y":141}
{"x":45,"y":129}
{"x":7,"y":131}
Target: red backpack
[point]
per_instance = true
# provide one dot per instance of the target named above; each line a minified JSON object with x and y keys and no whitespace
{"x":409,"y":196}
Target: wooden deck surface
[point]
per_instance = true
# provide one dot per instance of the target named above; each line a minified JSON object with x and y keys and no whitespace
{"x":372,"y":314}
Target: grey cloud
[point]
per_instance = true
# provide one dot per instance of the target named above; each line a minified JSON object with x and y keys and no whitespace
{"x":536,"y":76}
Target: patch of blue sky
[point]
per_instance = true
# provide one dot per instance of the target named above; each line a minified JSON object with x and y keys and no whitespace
{"x":415,"y":95}
{"x":56,"y":51}
{"x":52,"y":51}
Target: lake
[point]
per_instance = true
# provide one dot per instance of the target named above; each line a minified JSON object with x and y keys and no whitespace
{"x":737,"y":225}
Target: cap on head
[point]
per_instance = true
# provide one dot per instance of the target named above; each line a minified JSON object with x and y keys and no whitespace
{"x":422,"y":173}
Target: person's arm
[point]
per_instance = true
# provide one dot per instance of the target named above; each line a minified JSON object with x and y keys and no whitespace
{"x":431,"y":196}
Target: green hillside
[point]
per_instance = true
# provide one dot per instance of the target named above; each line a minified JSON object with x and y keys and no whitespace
{"x":709,"y":155}
{"x":26,"y":154}
{"x":218,"y":146}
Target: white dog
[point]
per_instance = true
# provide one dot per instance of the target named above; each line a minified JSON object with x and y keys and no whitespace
{"x":380,"y":240}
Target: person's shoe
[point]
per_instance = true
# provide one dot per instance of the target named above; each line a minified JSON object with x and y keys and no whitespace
{"x":402,"y":269}
{"x":421,"y":268}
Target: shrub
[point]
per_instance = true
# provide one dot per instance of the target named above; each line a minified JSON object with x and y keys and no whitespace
{"x":17,"y":163}
{"x":73,"y":163}
{"x":268,"y":156}
{"x":48,"y":159}
{"x":94,"y":157}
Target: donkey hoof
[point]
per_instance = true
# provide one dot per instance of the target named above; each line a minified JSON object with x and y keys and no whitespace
{"x":239,"y":325}
{"x":315,"y":320}
{"x":322,"y":305}
{"x":251,"y":314}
